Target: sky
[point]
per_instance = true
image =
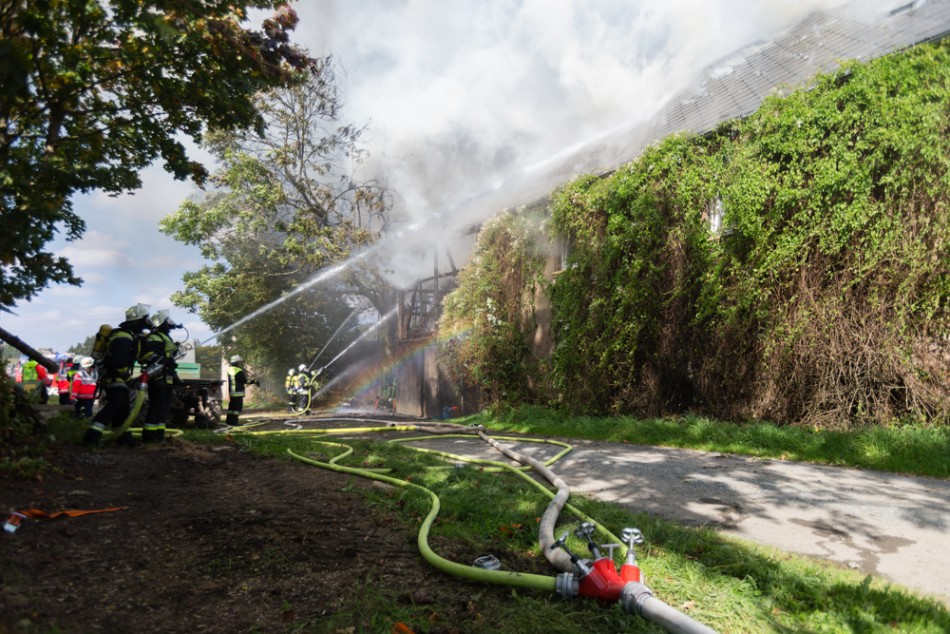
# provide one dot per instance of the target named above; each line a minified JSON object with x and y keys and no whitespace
{"x":460,"y":99}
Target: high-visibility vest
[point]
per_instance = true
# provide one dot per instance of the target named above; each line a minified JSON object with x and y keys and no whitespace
{"x":29,"y":371}
{"x":84,"y":385}
{"x":159,"y":346}
{"x":62,"y":381}
{"x":34,"y":373}
{"x":235,"y":384}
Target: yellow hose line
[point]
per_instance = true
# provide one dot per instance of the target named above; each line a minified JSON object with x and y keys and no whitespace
{"x":518,"y":579}
{"x":318,"y":432}
{"x":240,"y":428}
{"x":347,"y":451}
{"x":139,"y":399}
{"x":567,"y":448}
{"x":519,"y":471}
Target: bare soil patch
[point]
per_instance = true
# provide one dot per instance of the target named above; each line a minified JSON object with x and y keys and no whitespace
{"x":212,"y":539}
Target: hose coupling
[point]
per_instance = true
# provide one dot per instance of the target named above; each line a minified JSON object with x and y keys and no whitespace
{"x":487,"y":562}
{"x":566,"y":585}
{"x":633,"y":596}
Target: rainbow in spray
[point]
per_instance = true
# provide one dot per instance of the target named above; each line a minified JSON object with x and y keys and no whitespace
{"x":366,"y":381}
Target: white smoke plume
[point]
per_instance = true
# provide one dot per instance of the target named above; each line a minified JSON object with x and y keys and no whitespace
{"x":469,"y":103}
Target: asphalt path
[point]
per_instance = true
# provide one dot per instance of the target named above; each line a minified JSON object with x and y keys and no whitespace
{"x":878,"y":523}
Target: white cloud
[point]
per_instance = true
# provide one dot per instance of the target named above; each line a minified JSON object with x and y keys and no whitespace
{"x":97,"y":250}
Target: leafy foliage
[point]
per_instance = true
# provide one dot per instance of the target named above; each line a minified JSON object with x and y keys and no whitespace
{"x":209,"y":358}
{"x":489,"y":315}
{"x":623,"y":306}
{"x":826,"y":296}
{"x":281,"y":210}
{"x":96,"y":90}
{"x":23,"y":443}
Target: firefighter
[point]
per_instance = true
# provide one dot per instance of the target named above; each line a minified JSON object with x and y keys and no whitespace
{"x":303,"y":389}
{"x":237,"y":381}
{"x":84,"y":387}
{"x":161,"y":349}
{"x":122,"y":351}
{"x":290,"y":385}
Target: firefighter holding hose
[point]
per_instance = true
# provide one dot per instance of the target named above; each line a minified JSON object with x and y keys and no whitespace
{"x":161,"y":349}
{"x":122,"y":349}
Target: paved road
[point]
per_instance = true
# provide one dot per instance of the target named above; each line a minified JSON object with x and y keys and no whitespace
{"x":878,"y":523}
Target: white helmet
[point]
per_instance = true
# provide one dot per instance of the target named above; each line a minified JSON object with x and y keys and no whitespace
{"x":159,"y":318}
{"x":137,"y":312}
{"x":290,"y":372}
{"x":303,"y":367}
{"x":236,"y":359}
{"x":86,"y":362}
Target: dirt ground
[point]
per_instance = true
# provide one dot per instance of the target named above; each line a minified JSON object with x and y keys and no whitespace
{"x":209,"y":539}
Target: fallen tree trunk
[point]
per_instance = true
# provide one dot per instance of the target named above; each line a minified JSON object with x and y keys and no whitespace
{"x":28,"y":350}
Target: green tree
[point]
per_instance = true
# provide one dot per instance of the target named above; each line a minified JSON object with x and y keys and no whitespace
{"x":279,"y":210}
{"x":96,"y":90}
{"x":209,"y":358}
{"x":84,"y":347}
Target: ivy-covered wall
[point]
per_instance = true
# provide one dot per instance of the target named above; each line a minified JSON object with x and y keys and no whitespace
{"x":487,"y":320}
{"x":823,"y":297}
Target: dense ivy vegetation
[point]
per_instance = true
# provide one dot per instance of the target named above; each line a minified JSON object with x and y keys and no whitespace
{"x":823,"y":297}
{"x":486,"y":318}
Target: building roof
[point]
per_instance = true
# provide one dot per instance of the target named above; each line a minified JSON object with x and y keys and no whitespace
{"x":735,"y":85}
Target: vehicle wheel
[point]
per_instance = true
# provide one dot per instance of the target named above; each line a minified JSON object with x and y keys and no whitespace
{"x":209,"y":413}
{"x":179,"y":417}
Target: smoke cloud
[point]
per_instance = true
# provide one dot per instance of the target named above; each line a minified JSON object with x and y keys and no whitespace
{"x":468,"y":104}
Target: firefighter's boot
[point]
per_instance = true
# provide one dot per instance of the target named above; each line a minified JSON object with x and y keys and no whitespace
{"x":126,"y":440}
{"x":92,"y":438}
{"x":148,"y":435}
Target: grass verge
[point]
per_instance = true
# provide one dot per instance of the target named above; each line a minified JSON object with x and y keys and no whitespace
{"x":911,"y":449}
{"x":730,"y":585}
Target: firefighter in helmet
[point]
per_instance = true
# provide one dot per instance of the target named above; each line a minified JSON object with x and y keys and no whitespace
{"x":122,"y":351}
{"x":290,"y":386}
{"x":303,"y":388}
{"x":237,"y":382}
{"x":159,"y":348}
